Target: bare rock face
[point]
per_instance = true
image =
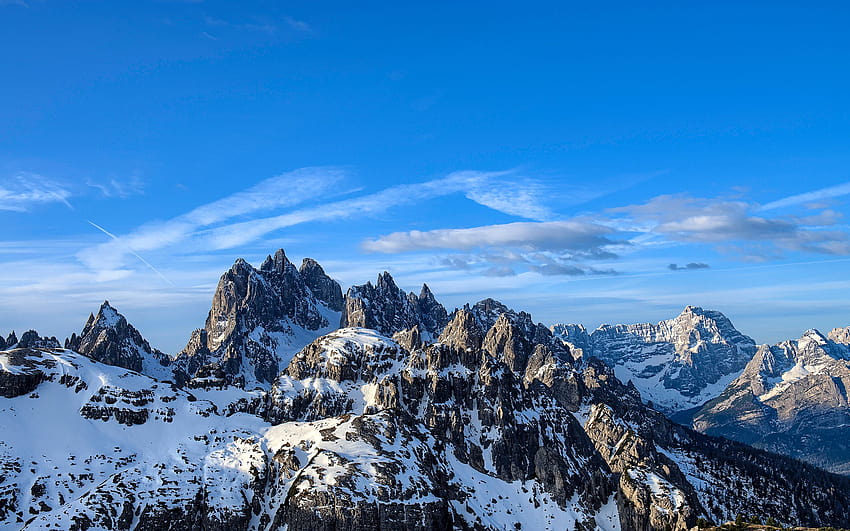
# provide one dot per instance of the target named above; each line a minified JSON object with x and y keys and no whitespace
{"x":260,"y":318}
{"x":31,"y":339}
{"x":108,"y":338}
{"x":321,"y":285}
{"x":840,"y":335}
{"x":669,"y":471}
{"x":386,"y":308}
{"x":790,"y":399}
{"x":20,"y":375}
{"x":11,"y":340}
{"x":676,"y":364}
{"x":462,"y":415}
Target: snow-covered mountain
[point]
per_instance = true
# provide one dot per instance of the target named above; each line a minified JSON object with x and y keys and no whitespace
{"x":482,"y":419}
{"x":677,"y":364}
{"x":360,"y":432}
{"x":260,"y":318}
{"x":791,"y":399}
{"x":108,"y":337}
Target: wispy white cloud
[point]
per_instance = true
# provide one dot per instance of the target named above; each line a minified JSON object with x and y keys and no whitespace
{"x":809,"y":197}
{"x":466,"y":182}
{"x":25,"y":190}
{"x":134,"y":253}
{"x":118,"y":188}
{"x":298,"y":25}
{"x":285,"y":190}
{"x":525,"y":200}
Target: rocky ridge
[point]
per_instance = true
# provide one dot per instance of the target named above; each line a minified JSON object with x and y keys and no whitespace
{"x":791,"y":399}
{"x":478,"y":420}
{"x":260,"y":317}
{"x":677,"y":364}
{"x":388,"y":309}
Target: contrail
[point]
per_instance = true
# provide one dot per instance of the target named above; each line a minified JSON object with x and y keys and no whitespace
{"x":134,"y":253}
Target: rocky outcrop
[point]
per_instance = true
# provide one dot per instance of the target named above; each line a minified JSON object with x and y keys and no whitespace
{"x":323,"y":287}
{"x":11,"y":340}
{"x":388,"y":309}
{"x":676,"y":364}
{"x":31,"y":339}
{"x":107,"y":337}
{"x":668,"y":470}
{"x":483,"y":425}
{"x":790,"y":399}
{"x":19,"y":374}
{"x":260,"y":318}
{"x":840,"y":335}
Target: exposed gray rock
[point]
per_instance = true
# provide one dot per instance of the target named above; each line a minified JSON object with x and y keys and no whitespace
{"x":388,"y":309}
{"x":20,"y":375}
{"x":108,"y":338}
{"x":260,"y":318}
{"x":470,"y":405}
{"x":323,"y":287}
{"x":668,"y":471}
{"x":790,"y":399}
{"x":840,"y":335}
{"x":676,"y":364}
{"x":31,"y":339}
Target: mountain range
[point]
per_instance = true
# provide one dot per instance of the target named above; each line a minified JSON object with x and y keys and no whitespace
{"x":299,"y":407}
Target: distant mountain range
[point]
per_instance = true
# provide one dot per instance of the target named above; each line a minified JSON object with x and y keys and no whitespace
{"x":299,"y":407}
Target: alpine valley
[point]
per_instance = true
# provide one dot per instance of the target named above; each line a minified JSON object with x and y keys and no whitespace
{"x":297,"y":406}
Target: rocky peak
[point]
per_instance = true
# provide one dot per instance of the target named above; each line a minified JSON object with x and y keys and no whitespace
{"x":677,"y":364}
{"x":260,"y":317}
{"x":386,"y":284}
{"x":11,"y":340}
{"x":323,"y":287}
{"x":462,"y":332}
{"x":432,"y":314}
{"x":507,"y":341}
{"x":488,"y":311}
{"x":388,"y":309}
{"x":277,"y":263}
{"x":31,"y":339}
{"x":108,"y":338}
{"x":840,"y":335}
{"x":796,"y":388}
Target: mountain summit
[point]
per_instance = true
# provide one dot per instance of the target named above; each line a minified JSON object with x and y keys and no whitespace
{"x":677,"y":364}
{"x":260,"y":318}
{"x":792,"y":399}
{"x":108,"y":338}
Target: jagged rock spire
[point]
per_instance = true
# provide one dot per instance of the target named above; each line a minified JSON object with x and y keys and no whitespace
{"x":388,"y":309}
{"x":323,"y":287}
{"x":260,"y":317}
{"x":109,"y":338}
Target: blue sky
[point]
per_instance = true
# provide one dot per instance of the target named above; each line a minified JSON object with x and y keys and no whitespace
{"x":569,"y":159}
